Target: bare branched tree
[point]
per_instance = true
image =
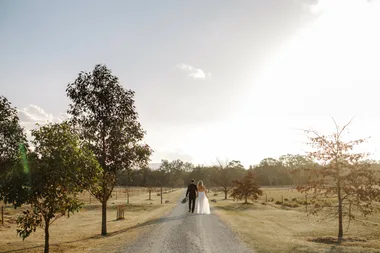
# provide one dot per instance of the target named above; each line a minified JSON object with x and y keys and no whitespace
{"x":344,"y":184}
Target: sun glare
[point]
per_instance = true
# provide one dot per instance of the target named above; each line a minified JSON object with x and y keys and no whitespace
{"x":327,"y":69}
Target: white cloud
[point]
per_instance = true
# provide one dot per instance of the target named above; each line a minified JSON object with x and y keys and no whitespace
{"x":33,"y":114}
{"x":193,"y":72}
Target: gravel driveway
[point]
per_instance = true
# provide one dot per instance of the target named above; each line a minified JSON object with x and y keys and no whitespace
{"x":183,"y":232}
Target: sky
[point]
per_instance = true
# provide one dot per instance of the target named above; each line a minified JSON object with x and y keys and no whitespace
{"x":237,"y":80}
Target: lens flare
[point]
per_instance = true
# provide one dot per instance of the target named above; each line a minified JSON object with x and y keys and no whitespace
{"x":24,"y":158}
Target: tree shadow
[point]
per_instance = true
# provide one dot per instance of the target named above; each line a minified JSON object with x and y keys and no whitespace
{"x":23,"y":249}
{"x":111,"y":234}
{"x":148,"y":223}
{"x":239,"y":207}
{"x":334,"y":240}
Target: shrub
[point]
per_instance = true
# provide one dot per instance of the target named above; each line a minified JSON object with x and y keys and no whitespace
{"x":278,"y":202}
{"x":288,"y":204}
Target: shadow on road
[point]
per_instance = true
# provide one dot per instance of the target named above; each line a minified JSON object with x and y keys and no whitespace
{"x":148,"y":223}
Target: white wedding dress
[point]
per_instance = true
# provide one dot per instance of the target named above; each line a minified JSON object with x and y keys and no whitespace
{"x":201,"y":205}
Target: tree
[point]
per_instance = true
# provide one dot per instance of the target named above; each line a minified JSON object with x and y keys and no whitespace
{"x":105,"y":114}
{"x":296,"y":165}
{"x":271,"y":168}
{"x":344,"y":184}
{"x":13,"y":164}
{"x":174,"y":172}
{"x":246,"y":188}
{"x":60,"y":169}
{"x":226,"y":173}
{"x":148,"y":180}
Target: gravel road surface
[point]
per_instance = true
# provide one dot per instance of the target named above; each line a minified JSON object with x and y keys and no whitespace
{"x":183,"y":232}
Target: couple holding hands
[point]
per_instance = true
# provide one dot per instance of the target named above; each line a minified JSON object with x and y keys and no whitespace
{"x":198,"y":200}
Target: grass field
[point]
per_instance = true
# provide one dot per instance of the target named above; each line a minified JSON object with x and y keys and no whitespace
{"x":81,"y":232}
{"x":277,"y":228}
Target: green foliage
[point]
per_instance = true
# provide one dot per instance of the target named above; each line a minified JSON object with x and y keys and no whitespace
{"x":173,"y":172}
{"x":13,"y":167}
{"x":60,"y":168}
{"x":105,"y":115}
{"x":28,"y":222}
{"x":246,"y":188}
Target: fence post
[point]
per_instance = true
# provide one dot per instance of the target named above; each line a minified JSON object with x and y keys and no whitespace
{"x":161,"y":194}
{"x":306,"y":202}
{"x":90,"y":198}
{"x":282,"y":200}
{"x":120,"y":212}
{"x":116,"y":195}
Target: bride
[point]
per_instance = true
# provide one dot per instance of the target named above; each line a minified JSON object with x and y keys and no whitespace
{"x":202,"y":206}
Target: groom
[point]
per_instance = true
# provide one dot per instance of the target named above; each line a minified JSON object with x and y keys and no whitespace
{"x":192,"y":192}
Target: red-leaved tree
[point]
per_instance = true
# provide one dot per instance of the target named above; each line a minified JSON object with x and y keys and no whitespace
{"x":246,"y":188}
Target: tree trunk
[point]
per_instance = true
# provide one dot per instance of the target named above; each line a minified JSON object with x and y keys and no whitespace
{"x":104,"y":217}
{"x":46,"y":250}
{"x":149,"y":194}
{"x":340,"y":211}
{"x":225,"y":193}
{"x":105,"y":197}
{"x":246,"y":200}
{"x":340,"y":216}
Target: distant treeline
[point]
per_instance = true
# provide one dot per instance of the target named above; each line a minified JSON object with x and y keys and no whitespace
{"x":287,"y":170}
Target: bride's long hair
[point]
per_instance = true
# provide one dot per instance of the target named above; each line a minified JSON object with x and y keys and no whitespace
{"x":200,"y":183}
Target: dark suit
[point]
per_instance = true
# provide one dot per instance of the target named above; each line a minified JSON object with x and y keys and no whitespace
{"x":192,"y":193}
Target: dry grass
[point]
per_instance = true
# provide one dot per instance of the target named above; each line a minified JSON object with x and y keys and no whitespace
{"x":81,"y":232}
{"x":274,"y":228}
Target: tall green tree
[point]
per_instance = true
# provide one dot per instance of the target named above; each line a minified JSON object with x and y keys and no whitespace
{"x":344,"y":184}
{"x":295,"y":166}
{"x":174,"y":172}
{"x":272,"y":169}
{"x":105,"y":114}
{"x":60,"y":168}
{"x":13,"y":147}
